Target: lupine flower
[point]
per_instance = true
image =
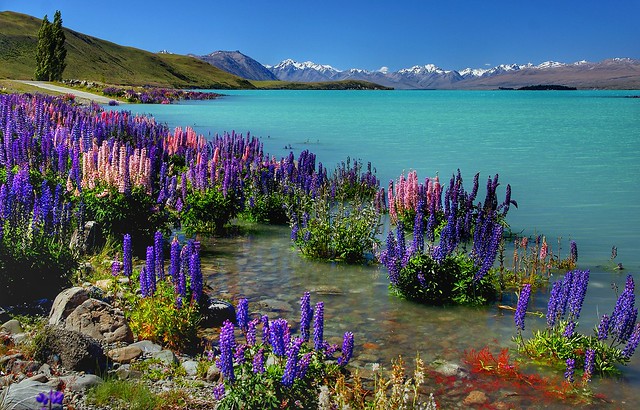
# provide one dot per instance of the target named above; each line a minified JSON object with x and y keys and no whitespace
{"x":196,"y":277}
{"x":589,"y":364}
{"x":573,"y":252}
{"x":603,"y":328}
{"x":144,"y":287}
{"x":568,"y":374}
{"x":318,"y":326}
{"x":305,"y":316}
{"x":174,"y":265}
{"x":238,"y":356}
{"x":265,"y":329}
{"x":126,"y":255}
{"x":347,"y":349}
{"x":150,"y":271}
{"x":624,"y":314}
{"x":521,"y":309}
{"x":159,"y":254}
{"x":242,"y":314}
{"x":227,"y":347}
{"x":569,"y":329}
{"x":279,"y":335}
{"x":258,"y":362}
{"x":218,"y":391}
{"x":303,"y":365}
{"x":251,"y":332}
{"x":553,"y":305}
{"x":50,"y":399}
{"x":291,"y":365}
{"x":632,"y":344}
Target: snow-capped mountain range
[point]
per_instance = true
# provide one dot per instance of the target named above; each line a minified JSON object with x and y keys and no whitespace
{"x":611,"y":73}
{"x":431,"y":76}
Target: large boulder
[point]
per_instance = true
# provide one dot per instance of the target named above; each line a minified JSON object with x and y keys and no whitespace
{"x":89,"y":240}
{"x":216,"y":312}
{"x":71,"y":349}
{"x":100,"y":321}
{"x":22,"y":396}
{"x":65,"y":303}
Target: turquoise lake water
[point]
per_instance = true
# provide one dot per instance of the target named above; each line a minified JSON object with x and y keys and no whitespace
{"x":572,"y":159}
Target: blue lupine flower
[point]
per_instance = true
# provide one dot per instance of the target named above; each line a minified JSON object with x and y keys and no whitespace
{"x":573,"y":252}
{"x":553,"y":306}
{"x":242,"y":314}
{"x":159,"y":254}
{"x":174,"y":265}
{"x":318,"y":326}
{"x":305,"y":316}
{"x":265,"y":329}
{"x":291,"y":365}
{"x":218,"y":391}
{"x":238,"y":355}
{"x":632,"y":344}
{"x":258,"y":362}
{"x":569,"y":329}
{"x":126,"y":255}
{"x":196,"y":276}
{"x":603,"y":327}
{"x":589,"y":363}
{"x":278,"y":330}
{"x":251,"y":332}
{"x":624,"y":314}
{"x":347,"y":349}
{"x":150,"y":271}
{"x":578,"y":292}
{"x":521,"y":309}
{"x":227,"y":347}
{"x":568,"y":374}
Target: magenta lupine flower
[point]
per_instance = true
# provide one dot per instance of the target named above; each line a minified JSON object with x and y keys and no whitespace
{"x":347,"y":349}
{"x":126,"y":255}
{"x":305,"y":316}
{"x":227,"y":347}
{"x":318,"y":326}
{"x":242,"y":314}
{"x":521,"y":309}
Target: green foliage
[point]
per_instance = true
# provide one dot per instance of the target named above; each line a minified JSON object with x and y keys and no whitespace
{"x":157,"y":318}
{"x":450,"y":282}
{"x":59,"y":51}
{"x":265,"y":390}
{"x":122,"y":394}
{"x":338,"y":231}
{"x":137,"y":214}
{"x":33,"y":265}
{"x":552,"y":347}
{"x":209,"y":210}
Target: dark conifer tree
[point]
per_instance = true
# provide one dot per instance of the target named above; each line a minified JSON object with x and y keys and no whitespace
{"x":59,"y":49}
{"x":43,"y":51}
{"x":51,"y":51}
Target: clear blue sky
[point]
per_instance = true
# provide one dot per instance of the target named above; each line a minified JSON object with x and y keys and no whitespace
{"x":365,"y":34}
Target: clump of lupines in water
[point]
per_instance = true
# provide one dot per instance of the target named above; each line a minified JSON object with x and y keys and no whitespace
{"x":613,"y":342}
{"x":284,"y":368}
{"x":439,"y":271}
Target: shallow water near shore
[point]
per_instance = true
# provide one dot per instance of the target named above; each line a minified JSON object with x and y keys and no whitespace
{"x":570,"y":157}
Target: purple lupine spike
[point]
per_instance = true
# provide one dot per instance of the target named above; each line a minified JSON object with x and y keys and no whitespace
{"x":251,"y":332}
{"x":589,"y":364}
{"x":150,"y":271}
{"x":569,"y":329}
{"x":258,"y":362}
{"x":242,"y":314}
{"x":277,"y":336}
{"x":578,"y":292}
{"x":195,"y":274}
{"x":238,"y":355}
{"x":227,"y":347}
{"x":347,"y":349}
{"x":573,"y":252}
{"x":144,"y":288}
{"x":624,"y":313}
{"x":218,"y":391}
{"x":174,"y":266}
{"x":632,"y":344}
{"x":318,"y":326}
{"x":303,"y":365}
{"x":603,"y":328}
{"x":265,"y":329}
{"x":553,"y":307}
{"x":158,"y":243}
{"x":521,"y":309}
{"x":305,"y":316}
{"x":568,"y":374}
{"x":291,"y":365}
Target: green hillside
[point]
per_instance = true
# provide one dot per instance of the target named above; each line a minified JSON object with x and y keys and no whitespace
{"x":93,"y":59}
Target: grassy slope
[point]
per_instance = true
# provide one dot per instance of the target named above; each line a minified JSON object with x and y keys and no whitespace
{"x":93,"y":59}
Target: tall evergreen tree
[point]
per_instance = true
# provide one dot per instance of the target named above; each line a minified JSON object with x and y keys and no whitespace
{"x":51,"y":51}
{"x":59,"y":49}
{"x":43,"y":51}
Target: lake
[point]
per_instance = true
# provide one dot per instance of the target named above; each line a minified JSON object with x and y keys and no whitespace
{"x":571,"y":158}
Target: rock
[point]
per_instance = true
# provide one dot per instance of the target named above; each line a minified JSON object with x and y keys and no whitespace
{"x":73,"y":350}
{"x":39,"y":378}
{"x":12,"y":327}
{"x":81,"y":382}
{"x":89,"y":240}
{"x":22,"y":396}
{"x":124,"y":354}
{"x":190,"y":367}
{"x":100,"y":321}
{"x":45,"y":369}
{"x":213,"y":373}
{"x":474,"y":398}
{"x":147,"y":346}
{"x":104,"y":284}
{"x":124,"y":373}
{"x":276,"y":305}
{"x":24,"y":367}
{"x":166,"y":357}
{"x":217,"y":312}
{"x":450,"y":369}
{"x":65,"y":303}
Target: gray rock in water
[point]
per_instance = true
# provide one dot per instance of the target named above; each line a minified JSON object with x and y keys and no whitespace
{"x":73,"y":350}
{"x":100,"y":321}
{"x":22,"y":396}
{"x":217,"y":312}
{"x":65,"y":303}
{"x":12,"y":327}
{"x":450,"y":369}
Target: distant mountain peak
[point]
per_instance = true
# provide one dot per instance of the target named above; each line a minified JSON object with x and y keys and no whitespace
{"x":236,"y":63}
